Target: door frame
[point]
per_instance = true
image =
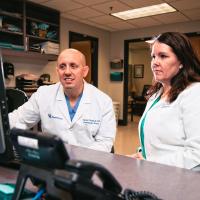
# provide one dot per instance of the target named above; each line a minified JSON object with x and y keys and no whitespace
{"x":78,"y":37}
{"x":126,"y":71}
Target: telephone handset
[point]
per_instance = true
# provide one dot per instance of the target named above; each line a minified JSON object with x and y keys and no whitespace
{"x":111,"y":187}
{"x":88,"y":169}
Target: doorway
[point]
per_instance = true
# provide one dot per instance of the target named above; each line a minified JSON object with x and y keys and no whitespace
{"x":136,"y":54}
{"x":88,"y":45}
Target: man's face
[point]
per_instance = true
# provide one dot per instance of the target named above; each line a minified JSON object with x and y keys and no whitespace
{"x":71,"y":69}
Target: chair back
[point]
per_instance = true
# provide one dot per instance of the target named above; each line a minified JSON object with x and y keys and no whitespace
{"x":15,"y":98}
{"x":145,"y":89}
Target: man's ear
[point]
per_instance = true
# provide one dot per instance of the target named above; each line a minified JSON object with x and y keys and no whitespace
{"x":85,"y":71}
{"x":56,"y":70}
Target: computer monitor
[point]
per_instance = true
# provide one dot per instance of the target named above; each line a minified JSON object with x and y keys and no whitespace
{"x":6,"y":147}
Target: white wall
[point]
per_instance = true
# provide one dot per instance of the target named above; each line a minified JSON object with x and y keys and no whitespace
{"x":117,"y":46}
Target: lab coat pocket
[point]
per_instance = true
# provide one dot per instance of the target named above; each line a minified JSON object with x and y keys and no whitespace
{"x":91,"y":126}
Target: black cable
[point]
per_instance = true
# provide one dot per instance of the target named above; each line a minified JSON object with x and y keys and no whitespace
{"x":141,"y":195}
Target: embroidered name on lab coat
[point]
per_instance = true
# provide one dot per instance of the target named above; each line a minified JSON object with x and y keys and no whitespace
{"x":91,"y":121}
{"x":54,"y":117}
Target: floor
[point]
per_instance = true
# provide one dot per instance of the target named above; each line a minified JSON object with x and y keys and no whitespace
{"x":127,"y":140}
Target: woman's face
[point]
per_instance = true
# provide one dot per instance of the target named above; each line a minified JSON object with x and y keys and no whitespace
{"x":164,"y":63}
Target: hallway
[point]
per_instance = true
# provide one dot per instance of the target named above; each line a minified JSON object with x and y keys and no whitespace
{"x":127,"y":139}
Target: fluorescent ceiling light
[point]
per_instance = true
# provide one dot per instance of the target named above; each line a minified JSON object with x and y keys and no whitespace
{"x":144,"y":11}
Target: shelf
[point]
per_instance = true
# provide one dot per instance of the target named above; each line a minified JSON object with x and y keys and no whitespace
{"x":29,"y":54}
{"x":9,"y":14}
{"x":10,"y":32}
{"x":18,"y":15}
{"x":42,"y":21}
{"x":43,"y":14}
{"x":41,"y":38}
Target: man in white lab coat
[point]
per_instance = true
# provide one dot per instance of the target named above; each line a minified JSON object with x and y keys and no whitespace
{"x":79,"y":113}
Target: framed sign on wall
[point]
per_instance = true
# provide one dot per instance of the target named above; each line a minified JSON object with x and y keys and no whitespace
{"x":138,"y":71}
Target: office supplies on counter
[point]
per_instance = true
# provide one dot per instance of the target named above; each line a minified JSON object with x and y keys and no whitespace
{"x":45,"y":79}
{"x":27,"y":82}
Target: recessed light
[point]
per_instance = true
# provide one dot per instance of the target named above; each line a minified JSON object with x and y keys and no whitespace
{"x":145,"y":11}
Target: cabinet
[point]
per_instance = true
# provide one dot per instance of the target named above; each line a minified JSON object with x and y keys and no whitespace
{"x":11,"y":25}
{"x":25,"y":26}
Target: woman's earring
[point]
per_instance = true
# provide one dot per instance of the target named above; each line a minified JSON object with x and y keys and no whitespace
{"x":181,"y":66}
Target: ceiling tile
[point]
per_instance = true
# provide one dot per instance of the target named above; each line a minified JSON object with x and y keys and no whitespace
{"x":168,"y":18}
{"x":186,"y":4}
{"x":85,"y":21}
{"x":141,"y":3}
{"x":105,"y":19}
{"x":193,"y":14}
{"x":68,"y":16}
{"x":106,"y":28}
{"x":85,"y":13}
{"x":115,"y":5}
{"x":90,"y":2}
{"x":62,"y":5}
{"x":144,"y":22}
{"x":121,"y":26}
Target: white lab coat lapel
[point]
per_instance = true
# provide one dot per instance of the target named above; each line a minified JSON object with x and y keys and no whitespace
{"x":83,"y":105}
{"x":150,"y":102}
{"x":62,"y":104}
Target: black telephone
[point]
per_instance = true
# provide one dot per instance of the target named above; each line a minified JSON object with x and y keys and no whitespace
{"x":87,"y":169}
{"x":111,"y":188}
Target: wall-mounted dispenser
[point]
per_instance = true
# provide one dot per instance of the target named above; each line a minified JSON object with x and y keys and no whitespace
{"x":116,"y":64}
{"x":116,"y":76}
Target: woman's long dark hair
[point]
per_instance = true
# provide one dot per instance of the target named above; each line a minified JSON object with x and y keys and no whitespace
{"x":190,"y":72}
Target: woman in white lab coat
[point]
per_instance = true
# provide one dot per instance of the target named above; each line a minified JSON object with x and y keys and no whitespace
{"x":169,"y":129}
{"x":79,"y":113}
